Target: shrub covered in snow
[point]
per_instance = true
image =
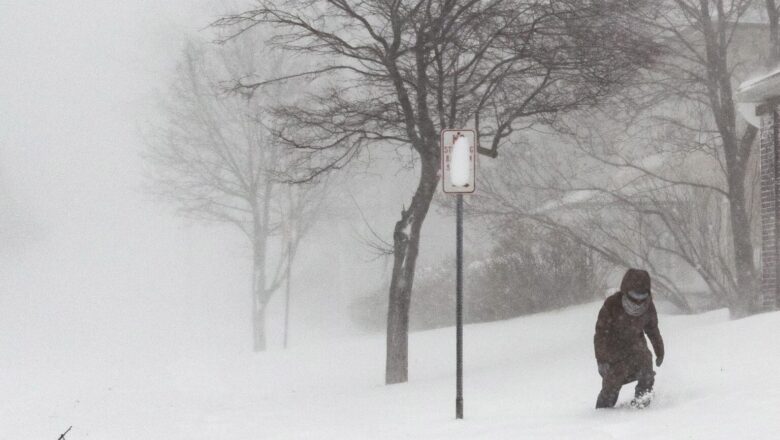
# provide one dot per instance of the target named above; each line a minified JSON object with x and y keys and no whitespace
{"x":529,"y":270}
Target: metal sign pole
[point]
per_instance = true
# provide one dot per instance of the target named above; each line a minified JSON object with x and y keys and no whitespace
{"x":459,"y":307}
{"x":458,"y":169}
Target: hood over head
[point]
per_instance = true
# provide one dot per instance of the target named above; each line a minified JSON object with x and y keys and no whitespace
{"x":636,"y":280}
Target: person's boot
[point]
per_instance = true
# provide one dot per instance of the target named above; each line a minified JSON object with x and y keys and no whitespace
{"x":607,"y":398}
{"x":643,"y":393}
{"x":642,"y":399}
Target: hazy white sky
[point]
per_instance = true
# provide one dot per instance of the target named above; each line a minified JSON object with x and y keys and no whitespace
{"x":88,"y":263}
{"x":91,"y":261}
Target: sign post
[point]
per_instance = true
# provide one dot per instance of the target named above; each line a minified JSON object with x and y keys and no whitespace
{"x":458,"y":165}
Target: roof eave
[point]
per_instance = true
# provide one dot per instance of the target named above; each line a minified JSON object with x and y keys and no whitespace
{"x":760,"y":89}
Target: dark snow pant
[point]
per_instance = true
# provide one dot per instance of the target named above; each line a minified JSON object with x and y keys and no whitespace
{"x":636,"y":368}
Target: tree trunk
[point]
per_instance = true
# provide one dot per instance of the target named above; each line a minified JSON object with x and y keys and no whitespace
{"x":260,"y":295}
{"x":736,"y":154}
{"x":406,"y":240}
{"x":774,"y":33}
{"x":742,"y":301}
{"x":258,"y":325}
{"x":258,"y":299}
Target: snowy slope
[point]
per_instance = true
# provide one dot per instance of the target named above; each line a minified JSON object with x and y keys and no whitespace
{"x":532,"y":377}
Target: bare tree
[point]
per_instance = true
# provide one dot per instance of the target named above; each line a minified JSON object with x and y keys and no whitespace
{"x":701,"y":33}
{"x":678,"y":158}
{"x":706,"y":58}
{"x":633,"y":208}
{"x":214,"y":159}
{"x":394,"y":73}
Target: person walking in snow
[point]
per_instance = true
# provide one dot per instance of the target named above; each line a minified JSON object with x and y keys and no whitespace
{"x":621,"y":350}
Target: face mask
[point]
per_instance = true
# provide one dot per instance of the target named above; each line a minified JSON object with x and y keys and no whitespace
{"x":634,"y":308}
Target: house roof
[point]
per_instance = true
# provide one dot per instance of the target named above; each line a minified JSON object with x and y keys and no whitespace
{"x":760,"y":88}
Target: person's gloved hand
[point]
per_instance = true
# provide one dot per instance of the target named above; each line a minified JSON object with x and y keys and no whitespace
{"x":659,"y":360}
{"x":603,"y":369}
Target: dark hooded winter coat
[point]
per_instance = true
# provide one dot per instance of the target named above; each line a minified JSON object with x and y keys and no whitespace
{"x":619,"y":336}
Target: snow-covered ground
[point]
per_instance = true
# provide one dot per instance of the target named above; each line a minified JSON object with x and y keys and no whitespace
{"x":533,"y":377}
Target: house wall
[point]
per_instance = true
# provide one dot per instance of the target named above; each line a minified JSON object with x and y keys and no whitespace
{"x":770,"y":188}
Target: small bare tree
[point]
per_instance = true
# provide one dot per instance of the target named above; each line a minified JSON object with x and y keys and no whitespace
{"x":214,"y":159}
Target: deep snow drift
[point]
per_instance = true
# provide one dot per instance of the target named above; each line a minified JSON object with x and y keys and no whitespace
{"x":532,"y":377}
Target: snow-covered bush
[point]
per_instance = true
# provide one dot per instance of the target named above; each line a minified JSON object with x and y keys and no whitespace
{"x":529,"y":270}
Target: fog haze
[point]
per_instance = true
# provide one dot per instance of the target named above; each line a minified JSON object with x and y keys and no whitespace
{"x":92,"y":265}
{"x":122,"y":317}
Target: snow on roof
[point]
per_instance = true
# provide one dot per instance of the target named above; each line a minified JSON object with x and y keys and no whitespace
{"x":570,"y":198}
{"x":575,"y":198}
{"x":754,"y":16}
{"x":760,"y":87}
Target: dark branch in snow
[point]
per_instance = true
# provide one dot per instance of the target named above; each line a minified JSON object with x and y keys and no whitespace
{"x":62,"y":436}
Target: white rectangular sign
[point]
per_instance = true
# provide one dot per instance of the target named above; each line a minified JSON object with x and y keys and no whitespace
{"x":457,"y":176}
